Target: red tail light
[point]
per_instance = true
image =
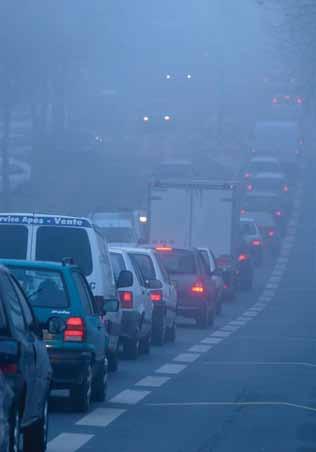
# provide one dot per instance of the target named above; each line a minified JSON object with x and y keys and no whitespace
{"x":74,"y":331}
{"x":285,"y":188}
{"x":249,"y":187}
{"x":247,"y":175}
{"x":242,"y":211}
{"x":198,"y":288}
{"x":163,"y":248}
{"x":8,"y":368}
{"x":274,"y":100}
{"x":126,"y":299}
{"x":271,"y":232}
{"x":278,"y":213}
{"x":256,"y":242}
{"x":242,"y":257}
{"x":156,"y":296}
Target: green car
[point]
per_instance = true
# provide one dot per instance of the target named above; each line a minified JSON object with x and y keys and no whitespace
{"x":73,"y":329}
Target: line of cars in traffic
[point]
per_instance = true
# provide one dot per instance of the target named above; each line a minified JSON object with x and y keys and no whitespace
{"x":71,"y":305}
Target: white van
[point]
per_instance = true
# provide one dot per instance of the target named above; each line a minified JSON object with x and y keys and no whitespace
{"x":55,"y":237}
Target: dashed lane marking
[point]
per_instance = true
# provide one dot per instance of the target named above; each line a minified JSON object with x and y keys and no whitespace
{"x":100,"y":417}
{"x":187,"y":357}
{"x":230,"y":328}
{"x":152,"y":381}
{"x":220,"y":333}
{"x":129,"y":396}
{"x":171,"y":369}
{"x":211,"y":340}
{"x":262,"y":363}
{"x":68,"y":442}
{"x":200,"y":348}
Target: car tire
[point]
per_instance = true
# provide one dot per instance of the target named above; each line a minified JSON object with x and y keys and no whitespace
{"x":113,"y":360}
{"x":15,"y":431}
{"x":131,"y":347}
{"x":35,"y":436}
{"x":159,"y":331}
{"x":172,"y":333}
{"x":202,"y":320}
{"x":80,"y":394}
{"x":99,"y":388}
{"x":219,"y":305}
{"x":146,"y":344}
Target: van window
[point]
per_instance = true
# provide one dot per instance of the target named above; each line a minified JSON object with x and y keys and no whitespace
{"x":117,"y":264}
{"x":13,"y":241}
{"x":53,"y":244}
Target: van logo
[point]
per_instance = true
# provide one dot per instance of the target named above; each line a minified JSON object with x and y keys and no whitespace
{"x":45,"y":220}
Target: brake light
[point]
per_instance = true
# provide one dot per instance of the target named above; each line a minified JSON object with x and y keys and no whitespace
{"x":242,"y":258}
{"x":299,"y":100}
{"x":274,"y":100}
{"x":256,"y":242}
{"x":74,"y":331}
{"x":247,"y":175}
{"x":156,"y":296}
{"x":271,"y":232}
{"x":285,"y":188}
{"x":163,"y":248}
{"x":126,"y":299}
{"x":198,"y":288}
{"x":249,"y":187}
{"x":242,"y":211}
{"x":278,"y":213}
{"x":8,"y":368}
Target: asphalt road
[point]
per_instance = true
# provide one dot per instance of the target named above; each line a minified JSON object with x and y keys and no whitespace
{"x":248,"y":384}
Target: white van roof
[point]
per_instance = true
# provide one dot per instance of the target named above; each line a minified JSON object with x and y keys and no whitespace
{"x":44,"y":220}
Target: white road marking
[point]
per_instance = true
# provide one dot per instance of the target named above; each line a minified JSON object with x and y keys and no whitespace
{"x":220,"y":333}
{"x":153,"y":381}
{"x":100,"y":417}
{"x":250,"y":314}
{"x":130,"y":396}
{"x":282,"y":260}
{"x":187,"y":357}
{"x":68,"y":442}
{"x":268,"y":293}
{"x":272,"y":286}
{"x":171,"y":369}
{"x":230,"y":328}
{"x":201,"y":348}
{"x":238,"y":322}
{"x":278,"y":272}
{"x":275,"y":279}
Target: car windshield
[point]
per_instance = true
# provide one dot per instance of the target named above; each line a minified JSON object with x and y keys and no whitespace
{"x":45,"y":288}
{"x":13,"y":241}
{"x":56,"y":243}
{"x":179,"y":262}
{"x":271,"y":184}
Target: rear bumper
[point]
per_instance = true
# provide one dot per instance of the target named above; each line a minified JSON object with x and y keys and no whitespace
{"x":191,"y":309}
{"x":130,"y":323}
{"x":68,"y":367}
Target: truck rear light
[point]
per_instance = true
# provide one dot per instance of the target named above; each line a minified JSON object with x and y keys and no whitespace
{"x":249,"y":187}
{"x":163,"y":248}
{"x":75,"y":330}
{"x":271,"y":232}
{"x":242,"y":211}
{"x":126,"y":299}
{"x":247,"y":175}
{"x":8,"y":368}
{"x":156,"y":296}
{"x":274,"y":100}
{"x":256,"y":242}
{"x":198,"y":288}
{"x":285,"y":188}
{"x":278,"y":213}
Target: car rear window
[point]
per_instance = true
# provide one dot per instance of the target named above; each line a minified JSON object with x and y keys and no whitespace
{"x":264,"y":167}
{"x":44,"y":287}
{"x":54,"y":244}
{"x":267,"y":184}
{"x":179,"y":262}
{"x":118,"y":264}
{"x":13,"y":241}
{"x":248,"y":228}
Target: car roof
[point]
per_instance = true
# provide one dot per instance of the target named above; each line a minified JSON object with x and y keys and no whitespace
{"x":269,"y":175}
{"x":261,"y":194}
{"x":37,"y":264}
{"x":264,"y":158}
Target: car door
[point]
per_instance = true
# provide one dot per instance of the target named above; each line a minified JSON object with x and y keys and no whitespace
{"x":26,"y":341}
{"x":43,"y":369}
{"x":95,"y":329}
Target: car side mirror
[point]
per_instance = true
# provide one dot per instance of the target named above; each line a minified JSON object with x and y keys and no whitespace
{"x":153,"y":284}
{"x":111,"y":305}
{"x":125,"y":279}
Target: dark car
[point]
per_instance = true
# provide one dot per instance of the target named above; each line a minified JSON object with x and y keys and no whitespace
{"x":193,"y":280}
{"x":24,"y":363}
{"x":73,"y":328}
{"x":6,"y":404}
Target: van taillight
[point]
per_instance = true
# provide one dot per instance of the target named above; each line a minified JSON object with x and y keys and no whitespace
{"x":242,"y":257}
{"x":198,"y":288}
{"x":278,"y":213}
{"x":156,"y":296}
{"x":8,"y":368}
{"x":249,"y":187}
{"x":74,"y":331}
{"x":285,"y":188}
{"x":271,"y":232}
{"x":126,"y":299}
{"x":256,"y":242}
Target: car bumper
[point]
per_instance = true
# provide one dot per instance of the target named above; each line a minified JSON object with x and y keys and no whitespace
{"x":68,"y":367}
{"x":130,"y":323}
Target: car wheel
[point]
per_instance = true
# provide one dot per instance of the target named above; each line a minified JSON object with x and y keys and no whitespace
{"x":219,"y":305}
{"x":35,"y":436}
{"x":146,"y":344}
{"x":99,"y":388}
{"x":15,"y":432}
{"x":159,"y":331}
{"x":172,"y":332}
{"x":113,"y":360}
{"x":202,"y":320}
{"x":132,"y":347}
{"x":80,"y":394}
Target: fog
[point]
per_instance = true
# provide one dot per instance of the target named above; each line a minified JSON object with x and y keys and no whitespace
{"x":78,"y":80}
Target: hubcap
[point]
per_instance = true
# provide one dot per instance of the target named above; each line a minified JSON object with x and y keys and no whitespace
{"x":45,"y":422}
{"x":16,"y":434}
